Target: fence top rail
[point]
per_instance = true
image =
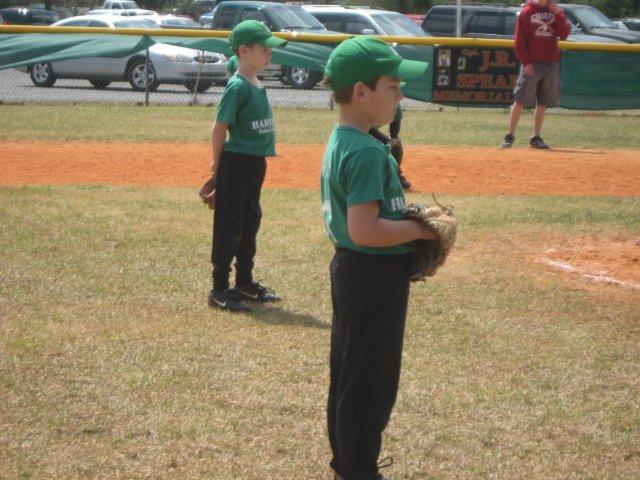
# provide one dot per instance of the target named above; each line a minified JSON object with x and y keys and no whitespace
{"x":314,"y":38}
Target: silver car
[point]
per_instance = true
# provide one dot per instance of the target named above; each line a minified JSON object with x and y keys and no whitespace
{"x":196,"y":70}
{"x":365,"y":21}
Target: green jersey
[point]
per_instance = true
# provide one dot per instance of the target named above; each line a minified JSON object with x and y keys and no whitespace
{"x":246,"y":109}
{"x":357,"y":169}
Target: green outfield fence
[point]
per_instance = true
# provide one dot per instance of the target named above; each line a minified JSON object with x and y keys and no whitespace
{"x":462,"y":71}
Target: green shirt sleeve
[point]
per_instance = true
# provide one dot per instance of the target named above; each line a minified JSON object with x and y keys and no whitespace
{"x":230,"y":103}
{"x":365,"y":176}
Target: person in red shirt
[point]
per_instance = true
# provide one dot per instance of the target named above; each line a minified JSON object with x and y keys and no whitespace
{"x":540,"y":24}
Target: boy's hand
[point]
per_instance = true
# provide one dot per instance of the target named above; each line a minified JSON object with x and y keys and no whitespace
{"x":208,"y":190}
{"x":528,"y":70}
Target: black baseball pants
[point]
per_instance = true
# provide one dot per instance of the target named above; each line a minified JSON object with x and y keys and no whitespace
{"x":370,"y":295}
{"x":237,"y":216}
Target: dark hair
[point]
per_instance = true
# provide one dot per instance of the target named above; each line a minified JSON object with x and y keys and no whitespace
{"x":345,"y":95}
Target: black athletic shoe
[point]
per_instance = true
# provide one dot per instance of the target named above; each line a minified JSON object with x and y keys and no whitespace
{"x":255,"y":292}
{"x":537,"y":142}
{"x":227,"y":300}
{"x":508,"y":141}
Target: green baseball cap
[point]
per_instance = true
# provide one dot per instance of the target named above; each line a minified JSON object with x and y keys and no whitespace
{"x":363,"y":58}
{"x":253,"y":31}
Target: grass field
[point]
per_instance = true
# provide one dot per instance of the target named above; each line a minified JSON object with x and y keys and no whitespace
{"x":449,"y":127}
{"x":113,"y":366}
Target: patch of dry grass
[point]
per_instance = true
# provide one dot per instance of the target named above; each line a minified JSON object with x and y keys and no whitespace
{"x":112,"y":365}
{"x":452,"y":127}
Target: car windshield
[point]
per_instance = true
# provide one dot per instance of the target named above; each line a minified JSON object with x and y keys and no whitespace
{"x":592,"y":18}
{"x":128,"y":5}
{"x":398,"y":24}
{"x":134,"y":23}
{"x":293,"y":18}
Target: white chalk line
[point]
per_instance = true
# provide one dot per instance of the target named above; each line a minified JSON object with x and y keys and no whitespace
{"x":567,"y":267}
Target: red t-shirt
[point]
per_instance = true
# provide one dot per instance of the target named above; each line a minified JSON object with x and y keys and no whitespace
{"x":537,"y":33}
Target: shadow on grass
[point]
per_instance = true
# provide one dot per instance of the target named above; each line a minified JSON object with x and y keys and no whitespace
{"x":272,"y":315}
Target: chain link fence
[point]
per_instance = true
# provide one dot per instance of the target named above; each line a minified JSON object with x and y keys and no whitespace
{"x":41,"y":84}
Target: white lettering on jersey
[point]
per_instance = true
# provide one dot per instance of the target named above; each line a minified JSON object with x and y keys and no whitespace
{"x":263,"y":126}
{"x":542,"y":22}
{"x":397,"y":203}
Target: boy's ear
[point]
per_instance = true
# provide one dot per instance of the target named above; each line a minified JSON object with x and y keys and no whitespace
{"x":358,"y":90}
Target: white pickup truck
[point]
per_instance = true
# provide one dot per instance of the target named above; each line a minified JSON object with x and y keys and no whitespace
{"x":119,"y":5}
{"x":126,"y":8}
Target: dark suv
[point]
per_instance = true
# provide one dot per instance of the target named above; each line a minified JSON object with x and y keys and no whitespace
{"x":278,"y":17}
{"x":593,"y":22}
{"x":485,"y":21}
{"x":491,"y":21}
{"x":28,"y":16}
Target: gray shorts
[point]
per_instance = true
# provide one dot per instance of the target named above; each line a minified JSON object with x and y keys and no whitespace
{"x":543,"y":87}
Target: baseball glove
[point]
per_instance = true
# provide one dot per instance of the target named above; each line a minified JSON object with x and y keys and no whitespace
{"x":207,"y":191}
{"x":431,"y":254}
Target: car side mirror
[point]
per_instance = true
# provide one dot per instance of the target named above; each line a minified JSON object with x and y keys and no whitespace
{"x":368,"y":31}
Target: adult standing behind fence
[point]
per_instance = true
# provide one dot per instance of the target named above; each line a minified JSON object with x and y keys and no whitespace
{"x":540,"y":24}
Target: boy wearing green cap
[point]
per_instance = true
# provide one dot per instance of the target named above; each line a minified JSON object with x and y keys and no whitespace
{"x":363,"y":209}
{"x":238,"y":168}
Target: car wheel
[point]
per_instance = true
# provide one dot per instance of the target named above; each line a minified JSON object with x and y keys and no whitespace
{"x":136,"y":75}
{"x":302,"y":78}
{"x":203,"y":86}
{"x":99,"y":83}
{"x":42,"y":74}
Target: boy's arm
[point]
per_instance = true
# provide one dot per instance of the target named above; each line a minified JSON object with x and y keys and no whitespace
{"x":520,"y":39}
{"x":218,"y":137}
{"x":561,"y":25}
{"x":368,"y":230}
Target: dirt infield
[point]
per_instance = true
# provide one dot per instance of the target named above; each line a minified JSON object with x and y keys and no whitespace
{"x":591,"y":263}
{"x":430,"y":169}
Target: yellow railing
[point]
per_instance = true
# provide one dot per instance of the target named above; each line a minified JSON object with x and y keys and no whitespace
{"x":315,"y":38}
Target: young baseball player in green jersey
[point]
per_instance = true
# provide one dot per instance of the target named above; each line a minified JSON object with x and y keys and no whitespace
{"x":363,"y":207}
{"x":238,"y":168}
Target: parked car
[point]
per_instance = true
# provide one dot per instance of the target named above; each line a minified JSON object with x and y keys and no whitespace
{"x":592,"y":21}
{"x":130,"y":12}
{"x":206,"y":19}
{"x":62,"y":11}
{"x":28,"y":16}
{"x":620,"y":25}
{"x":193,"y":8}
{"x":174,"y":21}
{"x":167,"y":63}
{"x":415,"y":17}
{"x":120,"y":5}
{"x":278,"y":17}
{"x":632,"y":23}
{"x":365,"y":21}
{"x":371,"y":21}
{"x":488,"y":21}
